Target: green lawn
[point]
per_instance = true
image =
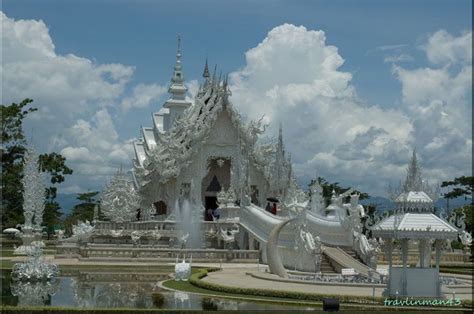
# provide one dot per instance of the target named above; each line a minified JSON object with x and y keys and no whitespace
{"x":188,"y":287}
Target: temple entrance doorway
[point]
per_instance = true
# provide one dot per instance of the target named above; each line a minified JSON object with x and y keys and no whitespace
{"x":217,"y":178}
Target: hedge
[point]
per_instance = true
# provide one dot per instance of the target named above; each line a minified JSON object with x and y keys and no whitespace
{"x":68,"y":310}
{"x":195,"y":279}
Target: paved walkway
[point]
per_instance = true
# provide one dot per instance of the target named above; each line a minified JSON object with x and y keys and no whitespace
{"x":240,"y":277}
{"x":236,"y":277}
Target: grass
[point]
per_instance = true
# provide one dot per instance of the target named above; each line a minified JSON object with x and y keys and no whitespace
{"x":186,"y":286}
{"x":275,"y":296}
{"x":457,"y":269}
{"x":67,"y":310}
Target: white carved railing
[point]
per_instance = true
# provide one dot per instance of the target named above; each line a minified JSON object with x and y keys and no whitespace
{"x":100,"y":252}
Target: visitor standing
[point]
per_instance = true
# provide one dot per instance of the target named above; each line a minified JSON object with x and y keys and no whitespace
{"x":209,"y":214}
{"x":216,"y":213}
{"x":274,"y":209}
{"x":268,"y":208}
{"x":138,"y":214}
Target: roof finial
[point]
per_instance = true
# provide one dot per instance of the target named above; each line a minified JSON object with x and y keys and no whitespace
{"x":206,"y":70}
{"x":178,"y":51}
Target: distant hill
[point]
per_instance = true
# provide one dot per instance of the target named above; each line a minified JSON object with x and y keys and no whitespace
{"x":67,"y":202}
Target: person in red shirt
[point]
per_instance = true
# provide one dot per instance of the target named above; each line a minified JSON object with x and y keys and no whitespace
{"x":274,"y":209}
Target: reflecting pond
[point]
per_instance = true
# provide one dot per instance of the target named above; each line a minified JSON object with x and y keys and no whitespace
{"x":117,"y":290}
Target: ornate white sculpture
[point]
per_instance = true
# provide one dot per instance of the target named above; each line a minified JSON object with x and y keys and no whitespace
{"x":228,"y":234}
{"x":466,"y":238}
{"x":81,"y":232}
{"x":135,"y":235}
{"x":34,"y":293}
{"x":120,"y":201}
{"x":35,"y":268}
{"x":182,"y":270}
{"x":317,"y":200}
{"x":33,"y":190}
{"x":226,"y":198}
{"x":155,"y":235}
{"x":33,"y":200}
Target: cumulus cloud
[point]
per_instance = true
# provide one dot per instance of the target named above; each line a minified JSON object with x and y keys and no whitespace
{"x":442,"y":48}
{"x":73,"y":95}
{"x":294,"y":77}
{"x":439,"y":100}
{"x":143,"y":95}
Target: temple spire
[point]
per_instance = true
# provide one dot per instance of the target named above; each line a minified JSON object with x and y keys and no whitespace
{"x":280,"y":146}
{"x":178,"y":76}
{"x":413,"y":180}
{"x":206,"y":71}
{"x":177,"y":102}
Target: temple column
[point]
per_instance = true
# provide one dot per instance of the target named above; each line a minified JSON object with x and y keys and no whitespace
{"x":421,"y":247}
{"x":389,"y":248}
{"x":405,"y":260}
{"x":251,"y":243}
{"x":438,"y":246}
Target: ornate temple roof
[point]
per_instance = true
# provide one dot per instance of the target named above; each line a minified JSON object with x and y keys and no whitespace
{"x":413,"y":225}
{"x":413,"y":196}
{"x":413,"y":217}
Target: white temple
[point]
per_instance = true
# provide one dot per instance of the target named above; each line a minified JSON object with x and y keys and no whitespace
{"x":196,"y":151}
{"x":200,"y":156}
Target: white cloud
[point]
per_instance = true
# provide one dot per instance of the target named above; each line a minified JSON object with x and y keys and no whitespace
{"x":391,"y":47}
{"x":143,"y":95}
{"x":192,"y":87}
{"x":402,"y":57}
{"x":439,"y":100}
{"x":71,"y":189}
{"x":72,"y":95}
{"x":294,"y":77}
{"x":442,"y":48}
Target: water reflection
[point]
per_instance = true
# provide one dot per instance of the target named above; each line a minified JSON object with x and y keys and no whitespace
{"x":94,"y":290}
{"x":112,"y":295}
{"x":34,"y":293}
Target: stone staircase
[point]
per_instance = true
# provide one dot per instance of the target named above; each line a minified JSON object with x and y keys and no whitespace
{"x":341,"y":259}
{"x":326,"y":267}
{"x":352,"y":253}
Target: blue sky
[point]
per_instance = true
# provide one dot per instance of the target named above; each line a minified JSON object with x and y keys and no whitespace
{"x":141,"y":35}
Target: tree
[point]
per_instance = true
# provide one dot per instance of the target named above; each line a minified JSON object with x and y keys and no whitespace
{"x":55,"y":165}
{"x":461,"y":186}
{"x":13,"y":152}
{"x":83,"y":211}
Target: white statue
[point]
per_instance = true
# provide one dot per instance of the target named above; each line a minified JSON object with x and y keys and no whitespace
{"x":182,"y":271}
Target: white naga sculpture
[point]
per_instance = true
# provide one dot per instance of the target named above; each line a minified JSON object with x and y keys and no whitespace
{"x":120,"y":201}
{"x":273,"y":257}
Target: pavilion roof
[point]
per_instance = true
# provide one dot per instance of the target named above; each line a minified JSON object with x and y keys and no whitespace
{"x":415,"y":197}
{"x":414,"y":225}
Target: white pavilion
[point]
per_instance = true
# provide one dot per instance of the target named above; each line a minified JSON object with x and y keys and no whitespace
{"x":414,"y":220}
